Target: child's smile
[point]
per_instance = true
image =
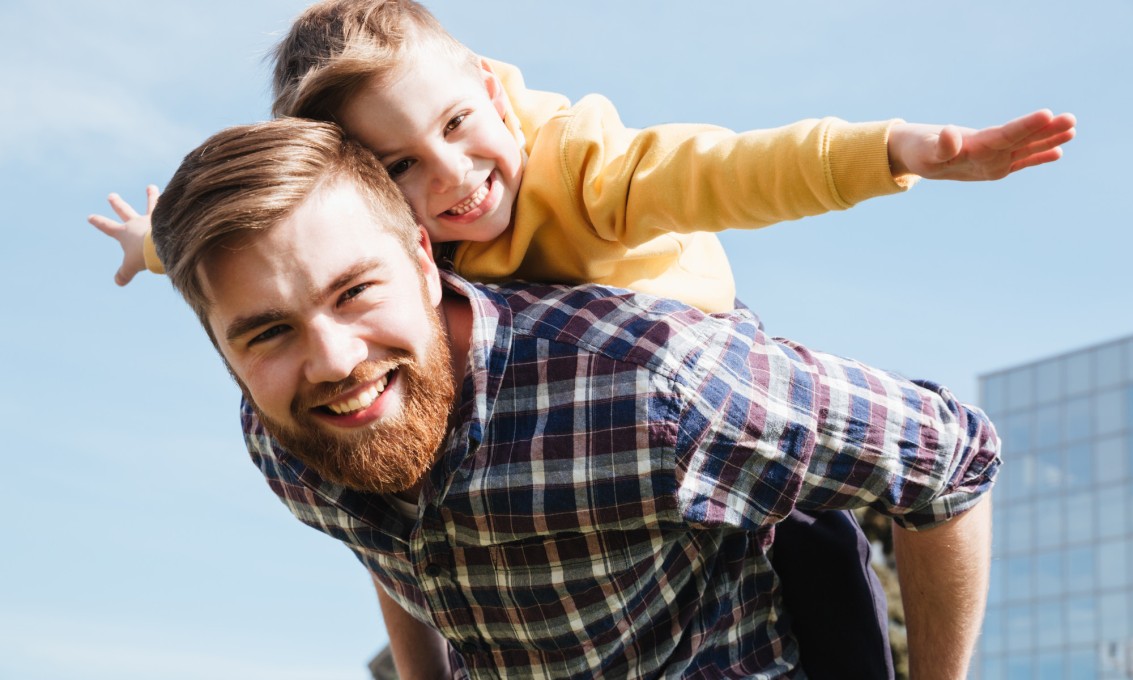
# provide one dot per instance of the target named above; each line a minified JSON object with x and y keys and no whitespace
{"x":480,"y":202}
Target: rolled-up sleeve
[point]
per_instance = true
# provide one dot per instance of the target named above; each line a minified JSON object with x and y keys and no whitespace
{"x":771,"y":426}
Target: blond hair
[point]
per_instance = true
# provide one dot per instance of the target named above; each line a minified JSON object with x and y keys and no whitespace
{"x":337,"y":46}
{"x":246,"y":179}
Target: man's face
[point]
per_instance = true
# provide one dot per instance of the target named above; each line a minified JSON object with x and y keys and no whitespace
{"x":332,"y":331}
{"x":438,"y":128}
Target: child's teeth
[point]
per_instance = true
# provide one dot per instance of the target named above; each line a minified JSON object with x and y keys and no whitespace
{"x":471,"y":202}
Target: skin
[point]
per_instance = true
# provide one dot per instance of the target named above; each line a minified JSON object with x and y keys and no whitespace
{"x":964,"y":154}
{"x":321,"y":309}
{"x":438,"y":128}
{"x":944,"y":574}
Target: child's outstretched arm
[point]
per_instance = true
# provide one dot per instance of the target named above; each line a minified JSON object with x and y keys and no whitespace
{"x":951,"y":152}
{"x":130,"y":233}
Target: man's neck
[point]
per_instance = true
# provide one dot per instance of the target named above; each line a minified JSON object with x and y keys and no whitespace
{"x":456,"y":317}
{"x":456,"y":323}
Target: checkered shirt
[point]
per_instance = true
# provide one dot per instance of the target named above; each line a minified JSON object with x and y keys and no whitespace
{"x":605,"y":503}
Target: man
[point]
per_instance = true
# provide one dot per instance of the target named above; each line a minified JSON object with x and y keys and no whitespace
{"x":548,"y":481}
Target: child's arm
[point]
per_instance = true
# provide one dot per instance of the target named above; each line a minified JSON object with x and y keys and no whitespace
{"x":951,"y":152}
{"x":130,"y":233}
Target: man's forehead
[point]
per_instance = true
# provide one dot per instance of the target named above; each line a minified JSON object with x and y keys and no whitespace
{"x":329,"y":233}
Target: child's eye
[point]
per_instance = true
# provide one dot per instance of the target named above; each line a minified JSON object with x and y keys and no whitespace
{"x":269,"y":334}
{"x":400,"y":167}
{"x":455,"y":122}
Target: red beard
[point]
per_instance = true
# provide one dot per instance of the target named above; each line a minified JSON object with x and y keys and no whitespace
{"x":394,"y":454}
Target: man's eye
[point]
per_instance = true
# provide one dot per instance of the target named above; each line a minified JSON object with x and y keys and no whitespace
{"x":354,"y":291}
{"x":400,"y":167}
{"x":269,"y":334}
{"x":455,"y":123}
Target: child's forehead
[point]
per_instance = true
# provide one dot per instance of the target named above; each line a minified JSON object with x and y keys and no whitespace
{"x":443,"y":63}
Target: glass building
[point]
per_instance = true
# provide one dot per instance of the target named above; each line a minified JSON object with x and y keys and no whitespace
{"x":1061,"y":597}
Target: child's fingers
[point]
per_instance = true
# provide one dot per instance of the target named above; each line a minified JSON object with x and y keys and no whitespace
{"x":948,"y":143}
{"x":106,"y":225}
{"x":1060,"y":128}
{"x":1045,"y":143}
{"x":1017,"y":131}
{"x":1037,"y":159}
{"x":123,"y":276}
{"x":151,"y":198}
{"x":124,"y":209}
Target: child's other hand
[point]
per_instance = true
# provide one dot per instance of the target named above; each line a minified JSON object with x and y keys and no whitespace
{"x":130,"y":233}
{"x":951,"y":152}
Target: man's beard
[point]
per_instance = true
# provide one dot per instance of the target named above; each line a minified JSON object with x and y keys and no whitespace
{"x":391,"y":455}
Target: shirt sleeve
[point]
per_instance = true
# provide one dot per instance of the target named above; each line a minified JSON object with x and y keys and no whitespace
{"x":771,"y":426}
{"x":634,"y":184}
{"x":149,"y":254}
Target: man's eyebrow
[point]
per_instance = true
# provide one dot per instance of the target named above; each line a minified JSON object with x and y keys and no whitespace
{"x":243,"y":325}
{"x":358,"y":269}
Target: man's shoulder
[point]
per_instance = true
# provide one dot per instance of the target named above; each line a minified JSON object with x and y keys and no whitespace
{"x":652,"y":332}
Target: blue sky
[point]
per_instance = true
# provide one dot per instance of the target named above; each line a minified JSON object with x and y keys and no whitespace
{"x":139,"y":541}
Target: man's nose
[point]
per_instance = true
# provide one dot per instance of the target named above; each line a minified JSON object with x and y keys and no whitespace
{"x":334,"y":351}
{"x":450,"y":167}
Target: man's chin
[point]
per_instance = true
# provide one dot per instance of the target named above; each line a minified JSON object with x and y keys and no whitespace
{"x":390,"y":456}
{"x":391,"y":459}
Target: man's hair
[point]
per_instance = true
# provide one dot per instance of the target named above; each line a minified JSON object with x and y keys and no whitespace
{"x":337,"y":46}
{"x":246,"y":179}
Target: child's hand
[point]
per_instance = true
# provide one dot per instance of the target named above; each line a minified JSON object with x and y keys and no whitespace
{"x":951,"y":152}
{"x":130,"y":233}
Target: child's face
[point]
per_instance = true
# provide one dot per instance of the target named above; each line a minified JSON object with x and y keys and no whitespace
{"x":438,"y":128}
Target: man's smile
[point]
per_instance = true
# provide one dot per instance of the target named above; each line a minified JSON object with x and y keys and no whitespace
{"x":361,"y":406}
{"x":361,"y":400}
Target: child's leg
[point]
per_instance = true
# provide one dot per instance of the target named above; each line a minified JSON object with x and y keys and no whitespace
{"x":837,"y":606}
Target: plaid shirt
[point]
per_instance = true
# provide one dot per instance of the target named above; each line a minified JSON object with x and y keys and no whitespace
{"x":605,"y":502}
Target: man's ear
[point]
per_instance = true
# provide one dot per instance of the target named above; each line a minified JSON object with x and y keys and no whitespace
{"x":494,"y":87}
{"x":424,"y":254}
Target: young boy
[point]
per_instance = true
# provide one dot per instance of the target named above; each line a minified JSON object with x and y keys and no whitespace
{"x":522,"y":184}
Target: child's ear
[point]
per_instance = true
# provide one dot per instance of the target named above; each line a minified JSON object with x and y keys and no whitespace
{"x":494,"y":87}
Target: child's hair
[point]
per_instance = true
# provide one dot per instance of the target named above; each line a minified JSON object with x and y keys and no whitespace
{"x":246,"y":179}
{"x":337,"y":46}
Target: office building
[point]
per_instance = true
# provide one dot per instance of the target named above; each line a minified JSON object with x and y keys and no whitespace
{"x":1061,"y":598}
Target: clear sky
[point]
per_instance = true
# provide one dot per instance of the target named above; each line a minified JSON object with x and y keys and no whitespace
{"x":137,"y":539}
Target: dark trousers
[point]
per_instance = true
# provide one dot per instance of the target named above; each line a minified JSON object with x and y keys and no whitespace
{"x":837,"y":606}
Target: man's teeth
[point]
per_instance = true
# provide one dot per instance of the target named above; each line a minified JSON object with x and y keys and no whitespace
{"x":471,"y":202}
{"x":362,"y":400}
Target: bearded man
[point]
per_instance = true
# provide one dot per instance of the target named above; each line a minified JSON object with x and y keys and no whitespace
{"x":546,"y":481}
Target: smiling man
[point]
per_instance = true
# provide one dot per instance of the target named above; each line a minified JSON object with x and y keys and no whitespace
{"x":545,"y":481}
{"x":343,"y":358}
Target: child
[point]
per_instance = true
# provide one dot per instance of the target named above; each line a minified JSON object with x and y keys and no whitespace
{"x":523,"y":184}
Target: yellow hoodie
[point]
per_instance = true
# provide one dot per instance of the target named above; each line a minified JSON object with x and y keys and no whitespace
{"x":608,"y":204}
{"x":603,"y":203}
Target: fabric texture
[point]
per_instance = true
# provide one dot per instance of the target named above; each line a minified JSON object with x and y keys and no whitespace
{"x":605,"y":502}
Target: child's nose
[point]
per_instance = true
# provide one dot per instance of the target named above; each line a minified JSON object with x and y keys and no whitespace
{"x":450,"y":169}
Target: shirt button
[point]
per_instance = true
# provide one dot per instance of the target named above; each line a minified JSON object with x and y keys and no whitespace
{"x":433,"y":570}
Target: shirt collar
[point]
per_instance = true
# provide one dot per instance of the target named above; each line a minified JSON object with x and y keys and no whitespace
{"x":488,"y":352}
